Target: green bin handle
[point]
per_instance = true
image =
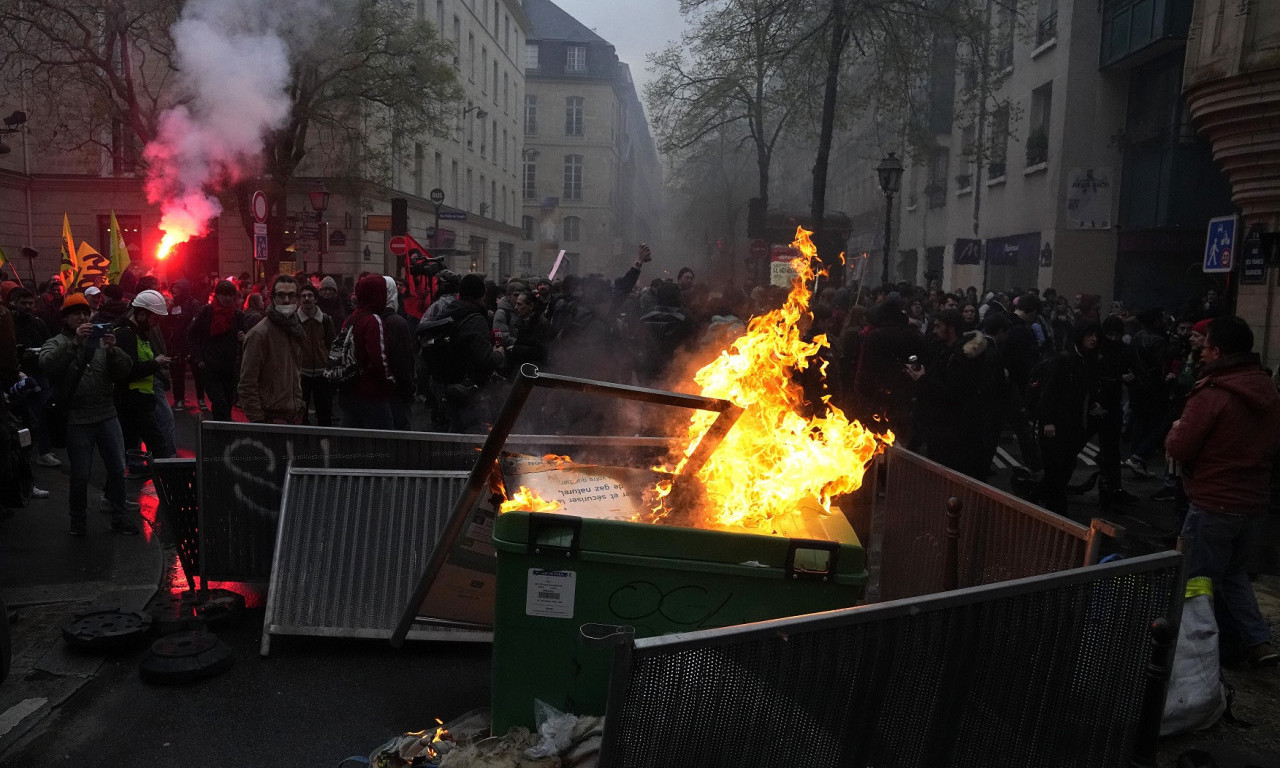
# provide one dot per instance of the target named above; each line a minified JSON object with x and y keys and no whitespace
{"x":554,"y":535}
{"x":799,"y":572}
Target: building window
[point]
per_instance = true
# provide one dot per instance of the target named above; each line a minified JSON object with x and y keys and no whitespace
{"x":419,"y":169}
{"x":494,"y":135}
{"x":964,"y":180}
{"x":530,"y":177}
{"x":453,"y":175}
{"x":526,"y":261}
{"x":572,"y":229}
{"x":530,"y":55}
{"x":576,"y":59}
{"x":471,"y":56}
{"x":999,"y":149}
{"x":528,"y":225}
{"x":484,"y":70}
{"x":471,"y":191}
{"x":506,"y":93}
{"x":573,"y":177}
{"x":936,"y":190}
{"x":493,"y":199}
{"x":506,"y":33}
{"x":495,"y":81}
{"x":573,"y":116}
{"x":440,"y":17}
{"x":1038,"y":125}
{"x":1003,"y":43}
{"x":530,"y":115}
{"x":505,"y":150}
{"x":439,"y":177}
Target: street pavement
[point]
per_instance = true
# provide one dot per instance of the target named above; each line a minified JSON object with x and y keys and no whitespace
{"x":313,"y":702}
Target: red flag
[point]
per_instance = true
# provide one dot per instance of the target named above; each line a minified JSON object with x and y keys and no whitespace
{"x":419,"y":295}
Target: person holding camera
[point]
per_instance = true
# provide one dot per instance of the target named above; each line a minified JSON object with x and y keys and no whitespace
{"x":84,"y":364}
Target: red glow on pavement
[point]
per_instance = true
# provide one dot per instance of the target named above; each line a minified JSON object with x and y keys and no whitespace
{"x":149,"y":510}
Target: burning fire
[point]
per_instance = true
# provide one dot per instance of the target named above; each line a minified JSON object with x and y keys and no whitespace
{"x":774,"y":459}
{"x":526,"y":499}
{"x":170,"y":241}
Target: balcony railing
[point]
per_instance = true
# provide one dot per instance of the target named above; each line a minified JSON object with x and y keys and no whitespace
{"x":1004,"y":58}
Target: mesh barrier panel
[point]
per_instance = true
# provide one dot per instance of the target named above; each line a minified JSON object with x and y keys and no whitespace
{"x":1047,"y":671}
{"x":242,"y":469}
{"x":350,"y":548}
{"x":175,"y":484}
{"x":1001,"y":536}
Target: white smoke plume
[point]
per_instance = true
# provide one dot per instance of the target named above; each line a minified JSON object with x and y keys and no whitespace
{"x":234,"y":73}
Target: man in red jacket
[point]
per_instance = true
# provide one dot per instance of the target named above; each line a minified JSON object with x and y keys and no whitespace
{"x":1226,"y":439}
{"x":366,"y":401}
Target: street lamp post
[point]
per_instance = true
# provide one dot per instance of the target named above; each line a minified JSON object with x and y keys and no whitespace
{"x":890,"y":171}
{"x":320,"y":203}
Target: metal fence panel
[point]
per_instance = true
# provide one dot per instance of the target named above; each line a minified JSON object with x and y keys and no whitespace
{"x":178,"y":493}
{"x":350,"y":547}
{"x":1001,"y":536}
{"x":242,"y":471}
{"x":1045,"y":671}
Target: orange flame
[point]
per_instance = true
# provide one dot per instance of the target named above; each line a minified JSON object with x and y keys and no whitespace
{"x":774,"y":458}
{"x":526,"y":499}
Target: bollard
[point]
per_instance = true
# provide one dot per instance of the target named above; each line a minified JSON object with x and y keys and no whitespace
{"x":951,"y":558}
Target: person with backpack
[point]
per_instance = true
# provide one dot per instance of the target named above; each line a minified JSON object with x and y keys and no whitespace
{"x":364,"y":394}
{"x":461,"y":356}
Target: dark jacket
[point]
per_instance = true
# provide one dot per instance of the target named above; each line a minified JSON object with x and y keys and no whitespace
{"x":1228,"y":436}
{"x":400,"y":353}
{"x":473,"y":342}
{"x":1069,"y":389}
{"x":220,"y":353}
{"x":31,"y":333}
{"x":953,"y":400}
{"x":880,"y":379}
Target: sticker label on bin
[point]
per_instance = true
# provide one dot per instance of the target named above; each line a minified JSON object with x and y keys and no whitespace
{"x":550,"y":593}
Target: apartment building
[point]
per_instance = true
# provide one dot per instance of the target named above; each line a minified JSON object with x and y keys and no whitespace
{"x":591,"y":178}
{"x":476,"y":166}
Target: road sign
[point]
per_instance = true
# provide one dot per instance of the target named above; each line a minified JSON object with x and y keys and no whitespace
{"x":259,"y":206}
{"x":436,"y":196}
{"x":454,"y":215}
{"x":377,"y":222}
{"x":1220,"y":244}
{"x":430,"y":232}
{"x":398,"y":245}
{"x":260,"y":242}
{"x":1253,"y":260}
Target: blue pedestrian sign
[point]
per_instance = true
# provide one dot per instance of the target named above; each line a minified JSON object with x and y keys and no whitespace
{"x":1220,"y":245}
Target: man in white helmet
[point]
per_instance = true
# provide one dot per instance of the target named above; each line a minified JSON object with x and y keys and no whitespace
{"x":136,"y":393}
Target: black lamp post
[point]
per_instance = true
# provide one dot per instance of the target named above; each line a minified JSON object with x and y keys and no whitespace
{"x":890,"y":171}
{"x":320,"y":203}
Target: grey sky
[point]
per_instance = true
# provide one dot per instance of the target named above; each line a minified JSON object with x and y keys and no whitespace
{"x":635,"y":29}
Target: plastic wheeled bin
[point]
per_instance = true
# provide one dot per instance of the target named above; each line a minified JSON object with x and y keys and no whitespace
{"x":557,"y":572}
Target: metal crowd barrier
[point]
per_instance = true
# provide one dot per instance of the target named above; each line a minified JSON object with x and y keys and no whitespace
{"x":1051,"y":670}
{"x":176,"y":488}
{"x":241,"y":474}
{"x":350,"y":545}
{"x":993,"y":535}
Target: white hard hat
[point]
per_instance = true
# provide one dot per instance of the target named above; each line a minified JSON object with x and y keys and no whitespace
{"x":151,"y":301}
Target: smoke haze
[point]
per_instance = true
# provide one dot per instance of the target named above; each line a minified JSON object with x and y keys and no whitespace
{"x":233,"y":75}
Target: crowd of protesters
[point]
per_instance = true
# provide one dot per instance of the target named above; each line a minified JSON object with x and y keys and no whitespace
{"x":949,"y":373}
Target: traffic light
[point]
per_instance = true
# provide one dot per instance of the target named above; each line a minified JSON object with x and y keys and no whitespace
{"x":399,"y":216}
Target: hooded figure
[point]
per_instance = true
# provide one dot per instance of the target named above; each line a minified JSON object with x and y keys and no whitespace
{"x":366,"y":401}
{"x":1065,"y":407}
{"x":400,"y":356}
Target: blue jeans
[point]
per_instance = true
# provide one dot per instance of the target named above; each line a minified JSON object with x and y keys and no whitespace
{"x":1218,"y":546}
{"x":109,"y":440}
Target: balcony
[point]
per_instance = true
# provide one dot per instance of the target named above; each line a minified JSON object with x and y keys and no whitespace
{"x":1037,"y":147}
{"x":964,"y":181}
{"x":1137,"y":31}
{"x":1004,"y":58}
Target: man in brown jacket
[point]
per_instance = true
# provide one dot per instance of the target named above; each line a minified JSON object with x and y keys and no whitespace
{"x":270,"y":387}
{"x":1226,"y":440}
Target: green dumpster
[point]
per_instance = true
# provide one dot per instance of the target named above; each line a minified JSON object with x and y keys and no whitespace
{"x":557,"y":572}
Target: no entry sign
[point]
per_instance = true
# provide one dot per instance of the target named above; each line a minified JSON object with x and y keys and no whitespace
{"x":398,"y":245}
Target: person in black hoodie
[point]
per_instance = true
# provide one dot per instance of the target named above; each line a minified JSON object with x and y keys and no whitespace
{"x":884,"y":390}
{"x":214,"y":342}
{"x":952,"y":400}
{"x":465,"y":384}
{"x":1064,"y":410}
{"x":181,"y":314}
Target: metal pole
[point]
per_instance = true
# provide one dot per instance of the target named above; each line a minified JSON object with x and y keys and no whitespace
{"x":888,"y":222}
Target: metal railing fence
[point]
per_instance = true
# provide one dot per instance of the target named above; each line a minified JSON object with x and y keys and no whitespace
{"x":994,"y":536}
{"x":1051,"y":670}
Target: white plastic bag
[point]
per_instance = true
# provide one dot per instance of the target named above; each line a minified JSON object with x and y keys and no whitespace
{"x":554,"y":727}
{"x":1196,"y":697}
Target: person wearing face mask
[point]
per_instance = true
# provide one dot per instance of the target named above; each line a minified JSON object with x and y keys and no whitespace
{"x":135,"y":394}
{"x":270,"y":386}
{"x":213,"y":341}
